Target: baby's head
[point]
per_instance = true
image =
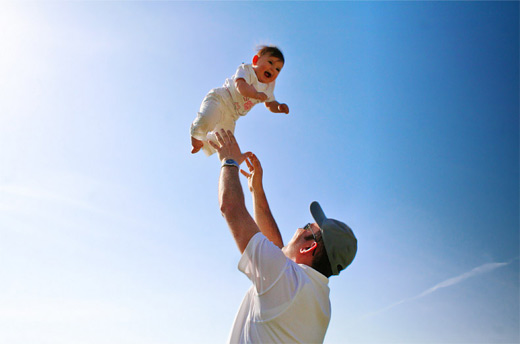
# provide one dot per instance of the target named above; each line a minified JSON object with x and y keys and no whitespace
{"x":268,"y":63}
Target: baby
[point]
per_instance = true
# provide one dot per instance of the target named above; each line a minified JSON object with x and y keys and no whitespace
{"x":251,"y":84}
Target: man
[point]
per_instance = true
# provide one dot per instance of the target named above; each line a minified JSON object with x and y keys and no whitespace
{"x":289,"y":299}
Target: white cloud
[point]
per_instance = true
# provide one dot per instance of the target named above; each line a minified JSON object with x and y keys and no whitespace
{"x":447,"y":283}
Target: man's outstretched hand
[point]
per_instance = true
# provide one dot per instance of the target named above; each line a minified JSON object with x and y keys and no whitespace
{"x":227,"y":147}
{"x":254,"y":177}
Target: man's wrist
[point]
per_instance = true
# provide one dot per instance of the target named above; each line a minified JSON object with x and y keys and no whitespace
{"x":230,"y":162}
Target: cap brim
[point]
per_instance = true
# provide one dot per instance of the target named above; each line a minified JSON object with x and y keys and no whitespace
{"x":317,"y":213}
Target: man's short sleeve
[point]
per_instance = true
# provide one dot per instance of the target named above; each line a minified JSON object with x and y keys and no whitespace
{"x":262,"y":262}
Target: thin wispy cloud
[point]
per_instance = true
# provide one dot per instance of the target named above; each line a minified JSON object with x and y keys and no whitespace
{"x":485,"y":268}
{"x":57,"y":199}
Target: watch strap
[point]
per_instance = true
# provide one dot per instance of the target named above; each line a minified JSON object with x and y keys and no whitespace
{"x":230,"y":162}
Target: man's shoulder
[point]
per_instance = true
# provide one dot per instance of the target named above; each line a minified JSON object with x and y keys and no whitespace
{"x":261,"y":249}
{"x":256,"y":240}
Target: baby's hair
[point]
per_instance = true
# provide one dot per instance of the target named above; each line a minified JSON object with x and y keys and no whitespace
{"x":271,"y":50}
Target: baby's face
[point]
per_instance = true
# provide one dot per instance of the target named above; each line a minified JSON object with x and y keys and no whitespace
{"x":267,"y":68}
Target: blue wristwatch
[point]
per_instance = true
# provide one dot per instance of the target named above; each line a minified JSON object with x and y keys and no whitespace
{"x":230,"y":162}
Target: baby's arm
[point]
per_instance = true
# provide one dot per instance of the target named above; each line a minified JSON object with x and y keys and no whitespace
{"x":249,"y":90}
{"x":276,"y":107}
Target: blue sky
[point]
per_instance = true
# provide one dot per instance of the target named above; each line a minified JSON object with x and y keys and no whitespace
{"x":404,"y":124}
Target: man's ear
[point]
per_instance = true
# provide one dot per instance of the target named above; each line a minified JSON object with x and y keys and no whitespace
{"x":309,"y":249}
{"x":255,"y":59}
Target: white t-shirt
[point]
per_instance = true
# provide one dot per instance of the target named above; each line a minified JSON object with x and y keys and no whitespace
{"x":288,"y":302}
{"x":244,"y":104}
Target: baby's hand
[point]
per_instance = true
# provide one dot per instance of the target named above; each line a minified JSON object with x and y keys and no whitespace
{"x":196,"y":145}
{"x":261,"y":96}
{"x":283,"y":108}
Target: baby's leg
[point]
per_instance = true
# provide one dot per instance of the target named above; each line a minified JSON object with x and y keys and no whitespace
{"x":227,"y":124}
{"x":208,"y":116}
{"x":215,"y":113}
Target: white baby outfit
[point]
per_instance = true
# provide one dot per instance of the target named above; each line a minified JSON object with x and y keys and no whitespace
{"x":222,"y":106}
{"x":288,"y":302}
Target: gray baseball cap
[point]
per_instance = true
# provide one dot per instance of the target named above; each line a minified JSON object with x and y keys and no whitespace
{"x":339,"y":240}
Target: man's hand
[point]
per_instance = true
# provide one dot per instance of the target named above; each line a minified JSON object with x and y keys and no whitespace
{"x":227,"y":146}
{"x":196,"y":145}
{"x":254,"y":177}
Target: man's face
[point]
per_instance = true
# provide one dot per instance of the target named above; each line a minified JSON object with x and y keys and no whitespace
{"x":302,"y":238}
{"x":267,"y":68}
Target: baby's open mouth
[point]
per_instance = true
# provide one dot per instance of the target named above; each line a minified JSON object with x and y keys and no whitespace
{"x":267,"y":74}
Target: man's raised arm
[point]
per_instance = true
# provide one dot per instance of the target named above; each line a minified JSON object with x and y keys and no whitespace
{"x":231,"y":196}
{"x":263,"y":216}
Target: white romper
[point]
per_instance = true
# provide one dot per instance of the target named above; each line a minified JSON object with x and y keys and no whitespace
{"x":222,"y":106}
